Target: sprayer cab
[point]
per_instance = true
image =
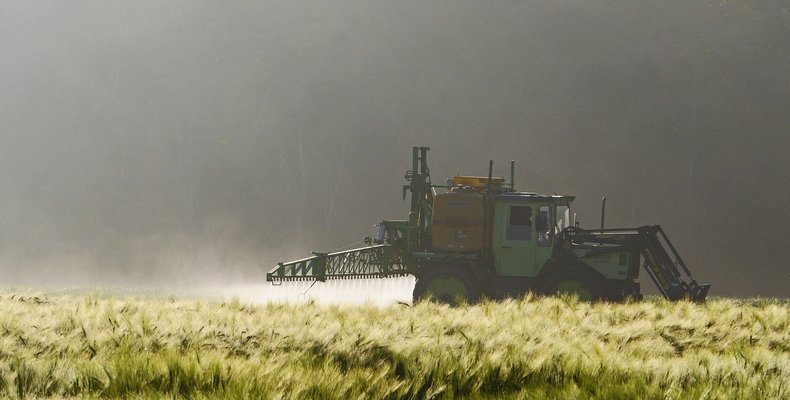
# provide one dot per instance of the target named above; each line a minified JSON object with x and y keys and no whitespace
{"x":478,"y":236}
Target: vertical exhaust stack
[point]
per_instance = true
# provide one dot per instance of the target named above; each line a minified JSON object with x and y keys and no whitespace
{"x":512,"y":175}
{"x":490,"y":174}
{"x":603,"y":211}
{"x":487,"y":212}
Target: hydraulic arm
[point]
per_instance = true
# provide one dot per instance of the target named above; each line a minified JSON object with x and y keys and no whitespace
{"x":665,"y":268}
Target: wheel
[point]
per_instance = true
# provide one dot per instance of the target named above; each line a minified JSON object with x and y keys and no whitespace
{"x":447,"y":284}
{"x":582,"y":284}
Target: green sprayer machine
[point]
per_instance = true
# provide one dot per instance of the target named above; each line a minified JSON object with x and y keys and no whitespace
{"x":478,"y":236}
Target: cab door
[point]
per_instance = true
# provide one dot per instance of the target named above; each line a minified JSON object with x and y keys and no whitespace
{"x":515,"y":238}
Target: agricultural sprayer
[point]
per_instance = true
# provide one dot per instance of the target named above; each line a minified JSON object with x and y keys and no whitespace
{"x":478,"y":236}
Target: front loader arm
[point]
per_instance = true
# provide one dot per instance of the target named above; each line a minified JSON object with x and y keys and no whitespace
{"x":665,"y":268}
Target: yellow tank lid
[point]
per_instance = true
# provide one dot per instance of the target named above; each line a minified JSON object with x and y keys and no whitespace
{"x":477,"y":181}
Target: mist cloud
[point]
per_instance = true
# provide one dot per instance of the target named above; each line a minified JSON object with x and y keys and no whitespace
{"x":176,"y":142}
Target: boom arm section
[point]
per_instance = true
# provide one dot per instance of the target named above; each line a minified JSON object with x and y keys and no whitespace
{"x":378,"y":261}
{"x":661,"y":265}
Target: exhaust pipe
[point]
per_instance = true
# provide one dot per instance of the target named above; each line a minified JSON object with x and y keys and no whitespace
{"x":603,"y":211}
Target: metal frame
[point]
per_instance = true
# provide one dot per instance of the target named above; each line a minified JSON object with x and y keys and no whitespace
{"x":379,"y":261}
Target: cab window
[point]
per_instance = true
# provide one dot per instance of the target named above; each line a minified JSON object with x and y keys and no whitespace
{"x":543,"y":225}
{"x":519,"y":225}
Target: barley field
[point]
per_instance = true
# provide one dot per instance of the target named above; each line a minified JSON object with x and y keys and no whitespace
{"x":65,"y":345}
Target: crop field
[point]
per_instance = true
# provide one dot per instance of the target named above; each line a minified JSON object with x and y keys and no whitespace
{"x":61,"y":344}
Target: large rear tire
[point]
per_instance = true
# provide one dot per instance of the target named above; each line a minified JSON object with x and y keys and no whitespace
{"x":581,"y":284}
{"x":447,"y":284}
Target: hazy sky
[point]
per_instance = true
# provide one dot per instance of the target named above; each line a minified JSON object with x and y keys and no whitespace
{"x":171,"y":142}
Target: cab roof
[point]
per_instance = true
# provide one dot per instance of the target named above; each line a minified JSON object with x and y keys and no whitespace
{"x":530,"y":196}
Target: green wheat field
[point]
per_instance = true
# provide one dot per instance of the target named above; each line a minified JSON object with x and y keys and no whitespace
{"x":64,"y":345}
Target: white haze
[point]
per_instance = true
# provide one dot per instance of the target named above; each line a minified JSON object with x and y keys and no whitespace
{"x":198,"y":143}
{"x":380,"y":292}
